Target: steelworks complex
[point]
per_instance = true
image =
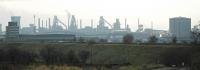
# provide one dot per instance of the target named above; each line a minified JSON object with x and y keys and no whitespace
{"x":56,"y":31}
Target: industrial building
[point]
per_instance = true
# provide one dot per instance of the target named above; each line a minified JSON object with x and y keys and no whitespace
{"x":28,"y":30}
{"x":73,"y":25}
{"x":12,"y":31}
{"x":47,"y":38}
{"x":55,"y":30}
{"x":13,"y":35}
{"x":16,"y":19}
{"x":116,"y":25}
{"x":180,"y":27}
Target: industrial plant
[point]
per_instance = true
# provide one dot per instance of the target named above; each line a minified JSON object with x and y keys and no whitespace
{"x":55,"y":30}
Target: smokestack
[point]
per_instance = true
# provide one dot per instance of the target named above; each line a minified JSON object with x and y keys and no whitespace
{"x":76,"y":23}
{"x":49,"y":23}
{"x":34,"y":20}
{"x":46,"y":23}
{"x":42,"y":23}
{"x":80,"y":24}
{"x":38,"y":23}
{"x":152,"y":25}
{"x":92,"y":23}
{"x":138,"y":22}
{"x":125,"y":24}
{"x":34,"y":24}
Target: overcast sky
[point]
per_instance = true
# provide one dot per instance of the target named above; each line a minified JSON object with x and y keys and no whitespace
{"x":157,"y":11}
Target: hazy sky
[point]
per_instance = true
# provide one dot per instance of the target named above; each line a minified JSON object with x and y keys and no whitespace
{"x":158,"y":11}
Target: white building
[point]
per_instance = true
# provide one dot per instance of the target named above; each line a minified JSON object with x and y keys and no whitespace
{"x":180,"y":27}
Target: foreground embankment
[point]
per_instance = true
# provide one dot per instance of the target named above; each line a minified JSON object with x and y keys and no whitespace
{"x":80,"y":56}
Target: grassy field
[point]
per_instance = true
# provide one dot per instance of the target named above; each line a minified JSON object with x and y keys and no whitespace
{"x":124,"y":56}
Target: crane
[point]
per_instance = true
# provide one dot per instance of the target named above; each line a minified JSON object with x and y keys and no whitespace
{"x":107,"y":22}
{"x":56,"y":21}
{"x":62,"y":23}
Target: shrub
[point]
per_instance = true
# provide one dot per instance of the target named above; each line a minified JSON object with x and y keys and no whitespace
{"x":176,"y":57}
{"x":72,"y":59}
{"x":153,"y":39}
{"x":128,"y":39}
{"x":14,"y":55}
{"x":53,"y":55}
{"x":91,"y":42}
{"x":103,"y":41}
{"x":81,"y":40}
{"x":57,"y":56}
{"x":83,"y":56}
{"x":195,"y":35}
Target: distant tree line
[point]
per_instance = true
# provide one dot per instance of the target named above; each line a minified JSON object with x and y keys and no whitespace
{"x":195,"y":37}
{"x":129,"y":39}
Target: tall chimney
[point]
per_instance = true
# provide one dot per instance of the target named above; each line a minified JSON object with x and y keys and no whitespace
{"x":49,"y":23}
{"x":46,"y":23}
{"x":34,"y":20}
{"x":80,"y":24}
{"x":138,"y":22}
{"x":92,"y":23}
{"x":38,"y":23}
{"x":125,"y":24}
{"x":42,"y":24}
{"x":34,"y":24}
{"x":76,"y":23}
